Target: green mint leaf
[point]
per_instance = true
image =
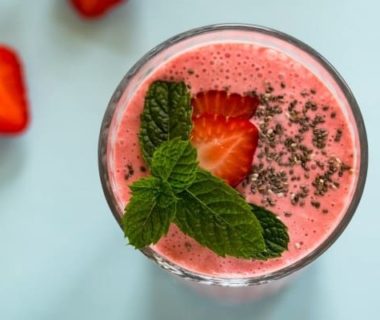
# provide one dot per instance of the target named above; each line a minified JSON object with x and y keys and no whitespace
{"x":166,"y":115}
{"x":275,"y":233}
{"x":175,"y":161}
{"x":149,"y":212}
{"x":218,"y":217}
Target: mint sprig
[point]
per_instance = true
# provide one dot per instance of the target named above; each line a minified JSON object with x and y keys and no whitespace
{"x":153,"y":204}
{"x":202,"y":205}
{"x":166,"y":115}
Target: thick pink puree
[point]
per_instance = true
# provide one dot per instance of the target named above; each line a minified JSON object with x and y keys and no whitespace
{"x":243,"y":68}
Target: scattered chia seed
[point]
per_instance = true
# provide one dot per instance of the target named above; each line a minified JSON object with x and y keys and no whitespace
{"x":298,"y":197}
{"x":129,"y":171}
{"x":321,"y":185}
{"x":268,"y":201}
{"x":320,"y":138}
{"x":265,"y":111}
{"x":269,"y":88}
{"x":287,"y":214}
{"x":320,"y":164}
{"x":338,"y":135}
{"x":318,"y":119}
{"x":323,"y":182}
{"x":325,"y":211}
{"x":343,"y":168}
{"x":142,"y":169}
{"x":292,"y":105}
{"x":298,"y":152}
{"x":285,"y":149}
{"x":333,"y":165}
{"x":190,"y":71}
{"x":278,"y":129}
{"x":311,"y":105}
{"x":315,"y":204}
{"x":267,"y":180}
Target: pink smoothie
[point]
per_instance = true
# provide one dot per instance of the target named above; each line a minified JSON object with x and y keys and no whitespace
{"x":304,"y":169}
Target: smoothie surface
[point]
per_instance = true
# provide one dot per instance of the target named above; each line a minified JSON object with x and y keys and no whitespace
{"x":304,"y":169}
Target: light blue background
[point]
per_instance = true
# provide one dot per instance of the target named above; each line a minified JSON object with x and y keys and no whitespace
{"x":62,"y":255}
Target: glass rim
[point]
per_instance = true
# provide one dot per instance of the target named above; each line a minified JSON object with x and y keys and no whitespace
{"x":301,"y":263}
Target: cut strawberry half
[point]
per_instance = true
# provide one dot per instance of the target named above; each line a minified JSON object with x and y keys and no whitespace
{"x":92,"y":9}
{"x":225,"y":146}
{"x":13,"y":103}
{"x":228,"y":105}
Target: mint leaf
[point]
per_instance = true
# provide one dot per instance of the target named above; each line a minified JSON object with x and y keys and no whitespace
{"x":275,"y":233}
{"x":166,"y":115}
{"x":218,"y":217}
{"x":149,"y":211}
{"x":175,"y":161}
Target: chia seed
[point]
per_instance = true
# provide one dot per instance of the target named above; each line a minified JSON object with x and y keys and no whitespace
{"x":284,"y":151}
{"x":311,"y":105}
{"x":129,"y":172}
{"x":298,"y":197}
{"x":320,"y":138}
{"x":318,"y":119}
{"x":267,"y":180}
{"x":315,"y":204}
{"x":338,"y":135}
{"x":321,"y":184}
{"x":287,"y":214}
{"x":269,"y":88}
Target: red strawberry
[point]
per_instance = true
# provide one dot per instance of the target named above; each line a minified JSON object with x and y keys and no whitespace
{"x":229,"y":105}
{"x":13,"y":104}
{"x":91,"y":9}
{"x":225,"y":146}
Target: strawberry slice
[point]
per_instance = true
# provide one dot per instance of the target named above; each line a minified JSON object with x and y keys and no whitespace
{"x":92,"y":9}
{"x":229,"y":105}
{"x":13,"y":104}
{"x":225,"y":146}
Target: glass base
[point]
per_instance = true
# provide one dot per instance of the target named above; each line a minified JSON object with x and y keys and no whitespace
{"x":236,"y":295}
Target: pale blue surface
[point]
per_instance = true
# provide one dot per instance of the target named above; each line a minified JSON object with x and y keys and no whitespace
{"x":63,"y":255}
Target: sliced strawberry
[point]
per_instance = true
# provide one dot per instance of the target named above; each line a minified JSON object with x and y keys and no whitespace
{"x":94,"y":8}
{"x":13,"y":104}
{"x":229,"y":105}
{"x":225,"y":146}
